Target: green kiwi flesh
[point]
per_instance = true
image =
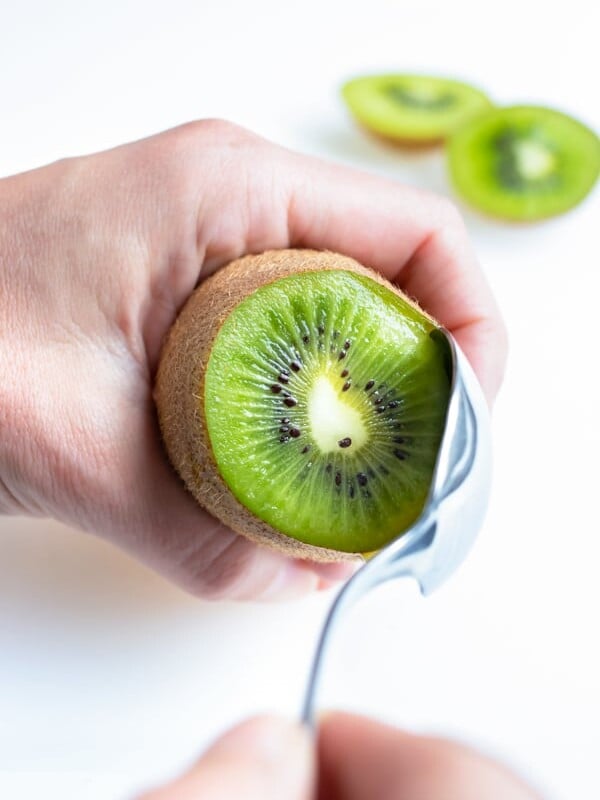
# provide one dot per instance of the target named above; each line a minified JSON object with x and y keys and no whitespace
{"x":325,"y":399}
{"x":412,"y":109}
{"x":524,"y":162}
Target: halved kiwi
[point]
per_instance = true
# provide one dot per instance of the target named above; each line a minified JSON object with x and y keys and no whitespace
{"x":302,"y":399}
{"x":413,"y":109}
{"x":524,"y":162}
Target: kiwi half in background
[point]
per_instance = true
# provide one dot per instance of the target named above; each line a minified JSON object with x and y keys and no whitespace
{"x":413,"y":109}
{"x":524,"y":162}
{"x":302,"y":399}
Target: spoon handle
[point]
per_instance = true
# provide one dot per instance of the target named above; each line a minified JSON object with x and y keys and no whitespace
{"x":383,"y":567}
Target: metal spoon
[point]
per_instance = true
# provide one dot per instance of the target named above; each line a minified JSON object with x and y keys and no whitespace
{"x":439,"y":540}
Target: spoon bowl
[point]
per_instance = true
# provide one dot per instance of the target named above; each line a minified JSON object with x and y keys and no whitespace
{"x":435,"y":545}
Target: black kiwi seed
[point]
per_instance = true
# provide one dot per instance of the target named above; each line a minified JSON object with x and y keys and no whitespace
{"x":351,"y":490}
{"x":401,"y":454}
{"x":377,"y":399}
{"x":380,"y":409}
{"x":369,"y":385}
{"x":306,"y":448}
{"x":285,"y":429}
{"x":295,"y":366}
{"x":336,"y":334}
{"x":284,"y":438}
{"x":346,"y":386}
{"x":344,"y":373}
{"x":328,"y":468}
{"x":295,"y":432}
{"x":285,"y":420}
{"x":399,"y":440}
{"x":275,"y":388}
{"x":342,"y":355}
{"x":321,"y":329}
{"x":362,"y":479}
{"x":338,"y":478}
{"x":347,"y":344}
{"x":290,"y":402}
{"x":306,"y":339}
{"x":284,"y":377}
{"x":345,"y":442}
{"x":394,"y":404}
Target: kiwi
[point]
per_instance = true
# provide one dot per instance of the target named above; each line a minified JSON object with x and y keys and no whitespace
{"x":413,"y":109}
{"x":524,"y":162}
{"x":302,"y":399}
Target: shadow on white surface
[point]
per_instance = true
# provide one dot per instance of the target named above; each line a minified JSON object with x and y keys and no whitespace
{"x":108,"y":672}
{"x":59,"y":571}
{"x":423,"y":167}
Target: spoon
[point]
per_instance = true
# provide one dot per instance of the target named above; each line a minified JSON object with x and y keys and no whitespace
{"x":433,"y":547}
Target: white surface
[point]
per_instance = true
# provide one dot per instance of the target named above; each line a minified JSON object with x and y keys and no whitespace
{"x":109,"y":678}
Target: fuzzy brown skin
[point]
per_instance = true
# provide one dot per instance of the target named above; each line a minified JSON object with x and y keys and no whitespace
{"x":179,"y":391}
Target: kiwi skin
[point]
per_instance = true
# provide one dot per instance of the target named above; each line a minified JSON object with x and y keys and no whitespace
{"x":179,"y":389}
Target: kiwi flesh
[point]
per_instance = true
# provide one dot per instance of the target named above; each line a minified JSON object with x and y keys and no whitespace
{"x":412,"y":109}
{"x":302,"y":399}
{"x":524,"y":162}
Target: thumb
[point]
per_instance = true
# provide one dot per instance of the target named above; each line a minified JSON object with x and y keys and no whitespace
{"x":265,"y":758}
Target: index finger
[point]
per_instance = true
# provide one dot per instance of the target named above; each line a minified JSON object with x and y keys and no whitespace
{"x":414,"y":238}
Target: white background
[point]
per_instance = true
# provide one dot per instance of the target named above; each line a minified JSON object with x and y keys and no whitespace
{"x":111,"y":679}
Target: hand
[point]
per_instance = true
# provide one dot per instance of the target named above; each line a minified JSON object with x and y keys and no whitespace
{"x":356,"y":759}
{"x":98,"y":254}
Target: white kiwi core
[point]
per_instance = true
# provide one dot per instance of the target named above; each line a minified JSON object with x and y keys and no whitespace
{"x":534,"y":160}
{"x":332,"y":420}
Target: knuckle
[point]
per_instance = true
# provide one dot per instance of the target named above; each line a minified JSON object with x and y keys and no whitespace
{"x":207,"y":132}
{"x":182,"y":156}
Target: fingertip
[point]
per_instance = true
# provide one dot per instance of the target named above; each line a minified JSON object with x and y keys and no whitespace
{"x":290,"y":582}
{"x":298,"y":578}
{"x":334,"y":571}
{"x":267,"y":737}
{"x":485,"y":344}
{"x":266,"y":757}
{"x":263,"y":758}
